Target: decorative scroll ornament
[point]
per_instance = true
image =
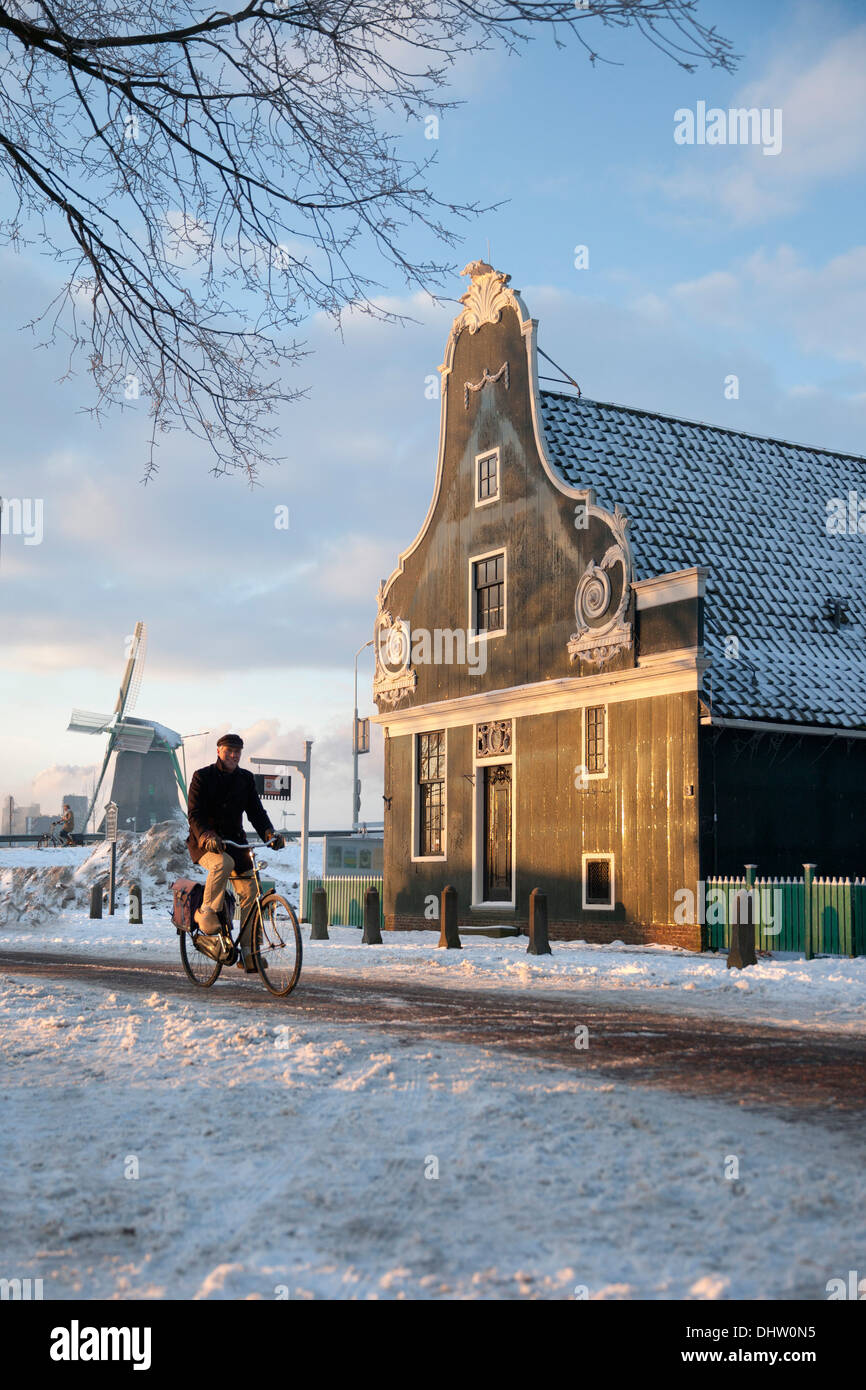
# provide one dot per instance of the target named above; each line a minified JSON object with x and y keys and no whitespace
{"x":492,"y":740}
{"x":392,"y":644}
{"x":486,"y":379}
{"x":487,"y":296}
{"x":601,"y":630}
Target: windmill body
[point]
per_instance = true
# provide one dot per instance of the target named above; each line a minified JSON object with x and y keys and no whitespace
{"x":147,"y":774}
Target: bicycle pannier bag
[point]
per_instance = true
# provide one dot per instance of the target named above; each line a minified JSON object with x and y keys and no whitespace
{"x":187,"y":894}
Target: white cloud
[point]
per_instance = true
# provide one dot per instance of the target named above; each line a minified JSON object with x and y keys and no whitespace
{"x":823,"y":307}
{"x":823,"y":105}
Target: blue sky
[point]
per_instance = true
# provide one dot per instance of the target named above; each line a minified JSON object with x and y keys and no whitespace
{"x":703,"y":261}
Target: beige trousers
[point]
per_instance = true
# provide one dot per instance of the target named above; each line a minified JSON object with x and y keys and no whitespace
{"x":221,"y":868}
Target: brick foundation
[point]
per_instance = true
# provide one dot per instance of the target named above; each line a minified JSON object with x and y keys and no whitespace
{"x":597,"y":933}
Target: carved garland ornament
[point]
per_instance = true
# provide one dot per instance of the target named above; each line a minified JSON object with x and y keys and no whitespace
{"x":486,"y":379}
{"x":596,"y":640}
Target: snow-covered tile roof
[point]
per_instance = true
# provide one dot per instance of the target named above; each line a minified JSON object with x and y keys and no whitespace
{"x":754,"y":511}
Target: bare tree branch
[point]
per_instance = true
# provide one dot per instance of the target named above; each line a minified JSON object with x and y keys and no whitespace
{"x":209,"y":179}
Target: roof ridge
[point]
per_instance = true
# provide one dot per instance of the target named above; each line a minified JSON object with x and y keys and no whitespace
{"x":706,"y":425}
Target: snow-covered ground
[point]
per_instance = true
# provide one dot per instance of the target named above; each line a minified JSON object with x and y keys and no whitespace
{"x":162,"y":1147}
{"x":827,"y":994}
{"x":187,"y":1146}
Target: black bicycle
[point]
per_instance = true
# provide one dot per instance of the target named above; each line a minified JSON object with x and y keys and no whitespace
{"x":54,"y":838}
{"x":275,"y":938}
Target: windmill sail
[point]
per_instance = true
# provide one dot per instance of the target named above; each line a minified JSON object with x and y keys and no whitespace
{"x":131,"y":681}
{"x":83,"y":721}
{"x":133,"y":738}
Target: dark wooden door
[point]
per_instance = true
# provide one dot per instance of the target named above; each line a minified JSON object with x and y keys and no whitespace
{"x":497,"y":834}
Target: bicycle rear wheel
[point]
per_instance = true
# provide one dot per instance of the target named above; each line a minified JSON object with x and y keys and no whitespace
{"x":202,"y":970}
{"x":277,"y":948}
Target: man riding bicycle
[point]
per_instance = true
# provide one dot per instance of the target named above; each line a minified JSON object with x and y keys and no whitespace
{"x":218,"y":797}
{"x":67,"y":825}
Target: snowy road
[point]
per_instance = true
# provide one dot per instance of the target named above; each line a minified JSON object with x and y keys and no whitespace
{"x":823,"y":1078}
{"x":159,"y":1142}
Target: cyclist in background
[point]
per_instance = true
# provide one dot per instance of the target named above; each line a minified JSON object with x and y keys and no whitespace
{"x":67,"y":825}
{"x":219,"y":795}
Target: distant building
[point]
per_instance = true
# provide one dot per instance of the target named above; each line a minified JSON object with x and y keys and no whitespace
{"x":21,"y":815}
{"x":353,"y":854}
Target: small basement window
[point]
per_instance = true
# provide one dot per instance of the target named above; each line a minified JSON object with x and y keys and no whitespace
{"x":598,"y":882}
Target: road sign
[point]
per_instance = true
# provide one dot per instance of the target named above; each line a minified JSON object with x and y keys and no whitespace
{"x":111,"y":822}
{"x":273,"y":787}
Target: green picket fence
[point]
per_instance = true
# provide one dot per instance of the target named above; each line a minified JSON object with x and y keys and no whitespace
{"x":345,"y":894}
{"x":818,"y":916}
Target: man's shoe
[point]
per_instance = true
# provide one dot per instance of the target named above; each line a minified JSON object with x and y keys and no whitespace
{"x":247,"y":964}
{"x":207,"y":921}
{"x":209,"y":945}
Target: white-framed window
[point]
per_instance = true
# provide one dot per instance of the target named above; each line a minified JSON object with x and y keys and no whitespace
{"x":429,"y":795}
{"x":487,"y":478}
{"x":595,"y":741}
{"x":487,"y":595}
{"x":598,"y":883}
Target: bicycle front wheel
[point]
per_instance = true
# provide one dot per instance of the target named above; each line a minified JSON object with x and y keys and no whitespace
{"x":277,"y":949}
{"x":202,"y":969}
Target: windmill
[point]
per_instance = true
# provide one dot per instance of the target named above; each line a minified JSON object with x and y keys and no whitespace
{"x":146,"y":773}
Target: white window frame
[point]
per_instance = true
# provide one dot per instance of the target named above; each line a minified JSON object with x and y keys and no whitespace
{"x":478,"y":764}
{"x":595,"y":776}
{"x":472,"y":634}
{"x":598,"y":907}
{"x":488,"y":453}
{"x":416,"y":856}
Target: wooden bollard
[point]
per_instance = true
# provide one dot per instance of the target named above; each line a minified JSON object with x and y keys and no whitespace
{"x":448,"y":934}
{"x":96,"y":900}
{"x":539,"y":944}
{"x":742,"y":949}
{"x":319,"y":915}
{"x":135,"y":904}
{"x":372,"y":930}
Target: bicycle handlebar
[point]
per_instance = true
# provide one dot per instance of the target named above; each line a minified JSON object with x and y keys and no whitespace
{"x":235,"y":844}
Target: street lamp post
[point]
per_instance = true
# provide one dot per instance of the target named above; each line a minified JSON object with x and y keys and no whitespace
{"x":356,"y":789}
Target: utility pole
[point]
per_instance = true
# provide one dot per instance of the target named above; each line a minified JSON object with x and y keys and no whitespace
{"x":356,"y":785}
{"x":302,"y":765}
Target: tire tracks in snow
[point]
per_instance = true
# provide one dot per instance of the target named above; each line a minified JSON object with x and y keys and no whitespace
{"x":790,"y":1071}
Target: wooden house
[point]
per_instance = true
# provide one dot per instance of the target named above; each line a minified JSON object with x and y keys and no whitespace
{"x":624,"y":653}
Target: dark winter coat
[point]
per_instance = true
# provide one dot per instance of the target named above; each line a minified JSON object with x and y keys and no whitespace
{"x":216,"y":805}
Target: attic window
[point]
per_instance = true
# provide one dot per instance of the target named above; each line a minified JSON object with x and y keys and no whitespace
{"x":487,"y":478}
